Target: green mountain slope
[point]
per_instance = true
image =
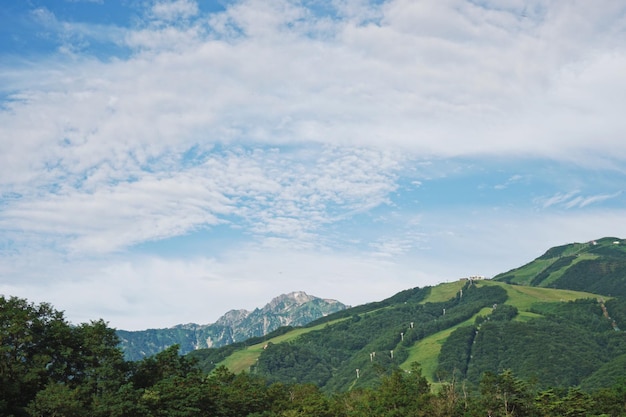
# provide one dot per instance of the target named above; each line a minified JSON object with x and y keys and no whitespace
{"x":597,"y":266}
{"x":459,"y":329}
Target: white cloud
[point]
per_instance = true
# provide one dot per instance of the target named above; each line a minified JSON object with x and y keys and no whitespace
{"x":159,"y":292}
{"x":457,"y":242}
{"x":174,"y":10}
{"x":478,"y":81}
{"x":272,"y":193}
{"x":285,"y":122}
{"x":74,"y":37}
{"x":149,"y":291}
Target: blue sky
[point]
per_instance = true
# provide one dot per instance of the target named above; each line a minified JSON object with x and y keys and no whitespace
{"x":162,"y":162}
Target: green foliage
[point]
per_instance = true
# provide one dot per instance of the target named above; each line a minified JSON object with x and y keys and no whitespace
{"x":554,"y":342}
{"x":554,"y":353}
{"x":413,"y":295}
{"x":57,"y":399}
{"x":616,"y":309}
{"x":164,"y":365}
{"x":503,"y":313}
{"x":42,"y":356}
{"x":525,"y":273}
{"x":457,"y":349}
{"x":504,"y":394}
{"x":585,"y":313}
{"x":402,"y":394}
{"x":291,"y":363}
{"x":601,"y":276}
{"x":609,"y":374}
{"x":610,"y":400}
{"x":455,"y":353}
{"x":566,"y":250}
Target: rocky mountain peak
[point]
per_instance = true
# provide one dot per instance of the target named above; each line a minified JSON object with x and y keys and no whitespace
{"x":293,"y":309}
{"x":283,"y":301}
{"x":233,"y":318}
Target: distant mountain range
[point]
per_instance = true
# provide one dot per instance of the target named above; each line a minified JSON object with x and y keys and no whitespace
{"x":293,"y":309}
{"x":557,"y":320}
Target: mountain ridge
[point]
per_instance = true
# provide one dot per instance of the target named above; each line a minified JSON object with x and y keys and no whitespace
{"x":296,"y":308}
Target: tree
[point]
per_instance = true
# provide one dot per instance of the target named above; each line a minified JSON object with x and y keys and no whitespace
{"x":163,"y":365}
{"x":612,"y":400}
{"x":32,"y":353}
{"x":170,"y":385}
{"x":404,"y":393}
{"x":44,"y":358}
{"x":505,"y":395}
{"x":577,"y":403}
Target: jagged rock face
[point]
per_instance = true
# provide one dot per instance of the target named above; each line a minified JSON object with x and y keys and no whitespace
{"x":293,"y":309}
{"x":233,"y":318}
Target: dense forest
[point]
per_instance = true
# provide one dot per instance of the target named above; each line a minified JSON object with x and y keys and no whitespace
{"x":49,"y":367}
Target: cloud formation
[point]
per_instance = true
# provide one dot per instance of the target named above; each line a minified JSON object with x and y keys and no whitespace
{"x":376,"y":130}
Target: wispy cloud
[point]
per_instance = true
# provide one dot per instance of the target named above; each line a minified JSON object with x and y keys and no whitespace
{"x":583,"y":201}
{"x":574,"y":199}
{"x":511,"y":180}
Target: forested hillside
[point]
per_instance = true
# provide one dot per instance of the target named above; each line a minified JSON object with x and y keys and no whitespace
{"x":456,"y":331}
{"x":556,"y":321}
{"x":598,"y":266}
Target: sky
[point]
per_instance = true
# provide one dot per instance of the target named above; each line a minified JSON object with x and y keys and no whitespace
{"x":163,"y":162}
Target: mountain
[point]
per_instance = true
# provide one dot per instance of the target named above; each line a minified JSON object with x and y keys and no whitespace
{"x":293,"y":309}
{"x":561,"y":329}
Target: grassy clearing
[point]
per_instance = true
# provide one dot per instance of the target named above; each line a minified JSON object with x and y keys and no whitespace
{"x":575,"y":248}
{"x":242,"y":360}
{"x":558,"y":274}
{"x":444,"y":292}
{"x":523,"y":297}
{"x":426,"y":351}
{"x":524,"y":274}
{"x":524,"y":316}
